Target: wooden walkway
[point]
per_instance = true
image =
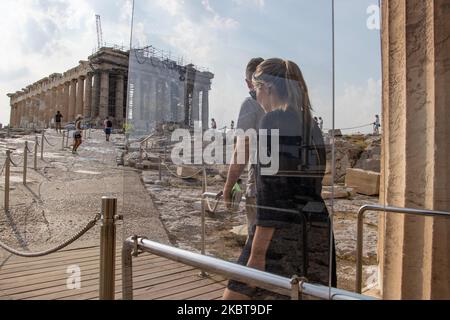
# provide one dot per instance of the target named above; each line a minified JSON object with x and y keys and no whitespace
{"x":154,"y":278}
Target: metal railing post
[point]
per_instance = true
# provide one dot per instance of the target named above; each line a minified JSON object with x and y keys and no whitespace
{"x":67,"y":139}
{"x":160,"y":169}
{"x":127,"y":271}
{"x":25,"y":164}
{"x":42,"y":146}
{"x":63,"y":138}
{"x":384,"y":209}
{"x":36,"y":142}
{"x":203,"y":273}
{"x":7,"y":174}
{"x":108,"y":249}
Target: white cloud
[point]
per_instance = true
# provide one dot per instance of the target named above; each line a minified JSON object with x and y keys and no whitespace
{"x":47,"y":36}
{"x":260,"y":4}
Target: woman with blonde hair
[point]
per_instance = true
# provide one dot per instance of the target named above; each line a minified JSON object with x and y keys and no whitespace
{"x":292,"y":231}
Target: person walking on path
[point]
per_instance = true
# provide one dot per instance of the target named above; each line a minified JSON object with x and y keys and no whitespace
{"x":108,"y":128}
{"x":58,"y":118}
{"x":376,"y":125}
{"x":213,"y":124}
{"x":249,"y":117}
{"x":77,"y":135}
{"x":320,"y":123}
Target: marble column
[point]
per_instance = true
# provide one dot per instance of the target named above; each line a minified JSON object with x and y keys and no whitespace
{"x":205,"y":109}
{"x":72,"y":100}
{"x":66,"y":102}
{"x":119,"y":99}
{"x":104,"y":95}
{"x":80,"y":96}
{"x":95,"y":96}
{"x":87,"y":111}
{"x":195,"y":106}
{"x":414,"y":251}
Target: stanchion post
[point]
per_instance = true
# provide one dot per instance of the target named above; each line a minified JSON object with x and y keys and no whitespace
{"x":25,"y":160}
{"x":7,"y":174}
{"x":42,"y":145}
{"x":108,"y":249}
{"x":36,"y":141}
{"x":160,"y":169}
{"x":64,"y":135}
{"x":67,"y":139}
{"x":203,"y":273}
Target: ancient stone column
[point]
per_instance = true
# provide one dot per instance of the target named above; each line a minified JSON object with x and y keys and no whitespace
{"x":205,"y":109}
{"x":152,"y":103}
{"x":72,"y":100}
{"x":104,"y":95}
{"x":80,"y":96}
{"x":66,"y":102}
{"x":195,"y":105}
{"x":12,"y":116}
{"x":95,"y":96}
{"x":119,"y":99}
{"x":88,"y":96}
{"x":414,"y":251}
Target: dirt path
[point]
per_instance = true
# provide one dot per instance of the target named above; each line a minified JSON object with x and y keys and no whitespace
{"x":65,"y":193}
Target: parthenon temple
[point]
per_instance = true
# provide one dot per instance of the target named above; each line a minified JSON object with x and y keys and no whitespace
{"x":160,"y":90}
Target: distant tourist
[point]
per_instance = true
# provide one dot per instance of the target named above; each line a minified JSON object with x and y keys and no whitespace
{"x":321,"y":123}
{"x":58,"y":118}
{"x":232,"y":125}
{"x":77,"y":135}
{"x":376,"y":125}
{"x":213,"y":124}
{"x":108,"y":128}
{"x":316,"y":120}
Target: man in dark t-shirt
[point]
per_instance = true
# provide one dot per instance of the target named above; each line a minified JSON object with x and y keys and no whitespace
{"x":58,"y":118}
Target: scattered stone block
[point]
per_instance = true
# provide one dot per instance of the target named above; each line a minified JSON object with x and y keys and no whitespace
{"x":183,"y":172}
{"x":150,"y":165}
{"x":364,"y":182}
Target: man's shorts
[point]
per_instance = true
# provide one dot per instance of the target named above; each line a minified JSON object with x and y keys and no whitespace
{"x":77,"y":134}
{"x":108,"y":131}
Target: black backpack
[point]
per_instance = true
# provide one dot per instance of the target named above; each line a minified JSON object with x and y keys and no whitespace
{"x":109,"y":124}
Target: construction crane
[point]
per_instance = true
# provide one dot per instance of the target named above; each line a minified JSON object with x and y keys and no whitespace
{"x":99,"y":31}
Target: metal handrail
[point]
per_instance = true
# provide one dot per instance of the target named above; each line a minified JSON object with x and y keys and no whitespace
{"x":381,"y":208}
{"x":227,"y":269}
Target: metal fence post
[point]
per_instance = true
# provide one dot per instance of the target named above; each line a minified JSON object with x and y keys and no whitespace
{"x":7,"y":173}
{"x":25,"y":160}
{"x":67,"y":139}
{"x":127,"y":271}
{"x":64,"y":135}
{"x":42,"y":146}
{"x":36,"y":142}
{"x":160,"y":169}
{"x":108,"y":249}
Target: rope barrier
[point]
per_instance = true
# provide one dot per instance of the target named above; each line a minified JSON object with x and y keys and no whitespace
{"x":88,"y":227}
{"x":366,"y":125}
{"x":178,"y":176}
{"x":51,"y":145}
{"x":14,"y":164}
{"x":3,"y":168}
{"x":206,"y":200}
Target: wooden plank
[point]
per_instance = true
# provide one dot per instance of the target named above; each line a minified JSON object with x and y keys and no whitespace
{"x":196,"y":291}
{"x":214,"y":295}
{"x":183,"y":289}
{"x":87,"y":268}
{"x":47,"y":283}
{"x":50,"y":295}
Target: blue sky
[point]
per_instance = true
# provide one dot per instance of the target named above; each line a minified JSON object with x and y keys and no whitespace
{"x":46,"y":36}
